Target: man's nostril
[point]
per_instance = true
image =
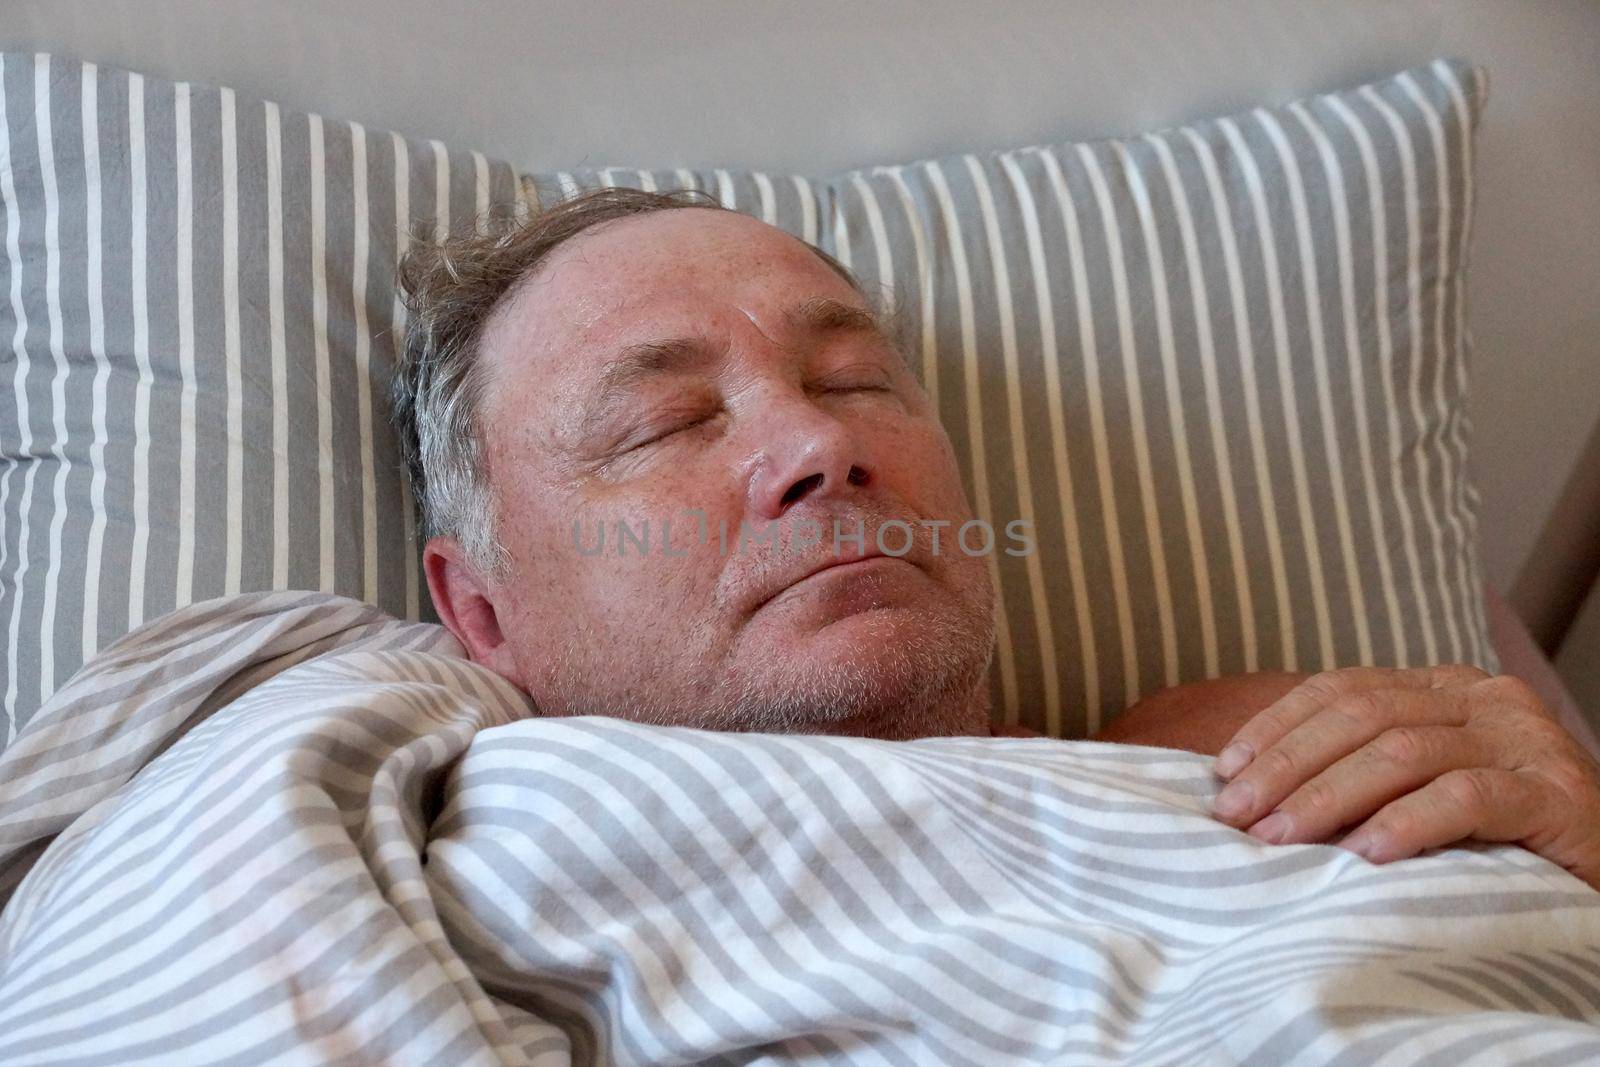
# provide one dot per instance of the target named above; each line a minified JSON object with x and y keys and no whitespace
{"x":800,"y":489}
{"x":857,"y":476}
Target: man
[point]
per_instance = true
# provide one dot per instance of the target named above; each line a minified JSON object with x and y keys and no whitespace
{"x":655,"y":366}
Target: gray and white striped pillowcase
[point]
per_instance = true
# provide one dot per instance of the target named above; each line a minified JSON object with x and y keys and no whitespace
{"x":198,"y":329}
{"x":212,"y":383}
{"x":1173,"y":355}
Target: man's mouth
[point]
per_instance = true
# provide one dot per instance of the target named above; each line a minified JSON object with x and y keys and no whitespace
{"x":831,"y":568}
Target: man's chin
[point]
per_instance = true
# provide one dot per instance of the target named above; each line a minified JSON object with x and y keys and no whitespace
{"x":898,"y":670}
{"x":818,"y":634}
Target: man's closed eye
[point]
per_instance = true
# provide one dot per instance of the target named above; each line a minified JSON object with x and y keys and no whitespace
{"x":868,"y":379}
{"x":667,"y":429}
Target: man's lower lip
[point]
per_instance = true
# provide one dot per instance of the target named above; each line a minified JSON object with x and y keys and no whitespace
{"x":837,"y":568}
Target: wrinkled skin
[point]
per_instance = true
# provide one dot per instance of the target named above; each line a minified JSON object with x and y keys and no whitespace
{"x":767,"y":393}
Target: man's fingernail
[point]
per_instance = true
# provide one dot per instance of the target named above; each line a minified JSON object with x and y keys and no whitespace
{"x":1273,"y":829}
{"x":1231,"y":760}
{"x":1366,"y":846}
{"x":1233,"y":801}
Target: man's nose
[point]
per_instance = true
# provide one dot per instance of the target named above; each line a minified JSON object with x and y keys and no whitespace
{"x":807,"y":453}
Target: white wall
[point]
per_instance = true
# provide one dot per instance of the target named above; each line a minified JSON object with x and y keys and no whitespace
{"x":827,"y":83}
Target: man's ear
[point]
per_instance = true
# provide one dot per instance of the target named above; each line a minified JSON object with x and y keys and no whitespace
{"x":465,"y":601}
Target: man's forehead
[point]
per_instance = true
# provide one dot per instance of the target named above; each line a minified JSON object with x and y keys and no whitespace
{"x":659,"y":278}
{"x":662,"y":272}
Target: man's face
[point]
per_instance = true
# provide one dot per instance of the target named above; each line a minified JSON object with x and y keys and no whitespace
{"x":697,"y":371}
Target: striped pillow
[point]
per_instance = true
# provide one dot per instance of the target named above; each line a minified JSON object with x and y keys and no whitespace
{"x":1221,"y":367}
{"x":197,"y":341}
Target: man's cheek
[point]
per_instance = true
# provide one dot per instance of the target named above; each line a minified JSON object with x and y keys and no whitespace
{"x":925,"y":475}
{"x":639,"y":566}
{"x":924,"y":439}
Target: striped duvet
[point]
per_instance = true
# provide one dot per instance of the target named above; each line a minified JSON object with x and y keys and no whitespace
{"x":285,"y":828}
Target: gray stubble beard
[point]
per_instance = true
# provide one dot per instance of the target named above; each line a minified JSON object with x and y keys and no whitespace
{"x":933,"y":688}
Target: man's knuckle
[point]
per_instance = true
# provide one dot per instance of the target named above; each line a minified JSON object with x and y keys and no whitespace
{"x":1464,"y":673}
{"x":1396,"y":825}
{"x":1317,"y":797}
{"x":1367,"y":710}
{"x":1510,"y":690}
{"x":1543,"y":732}
{"x":1276,"y":763}
{"x":1272,"y":723}
{"x":1403,"y":745}
{"x":1575,"y":781}
{"x":1467,"y":788}
{"x":1326,"y":686}
{"x":1346,"y":721}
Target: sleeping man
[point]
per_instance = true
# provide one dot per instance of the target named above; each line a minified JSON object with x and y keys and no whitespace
{"x":673,"y":467}
{"x":285,"y":827}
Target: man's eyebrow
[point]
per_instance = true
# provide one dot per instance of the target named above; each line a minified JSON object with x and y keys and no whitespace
{"x":827,"y":315}
{"x":819,"y":315}
{"x":645,"y":359}
{"x":642,"y":359}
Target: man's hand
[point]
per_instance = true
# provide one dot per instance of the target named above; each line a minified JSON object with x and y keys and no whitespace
{"x":1419,"y":758}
